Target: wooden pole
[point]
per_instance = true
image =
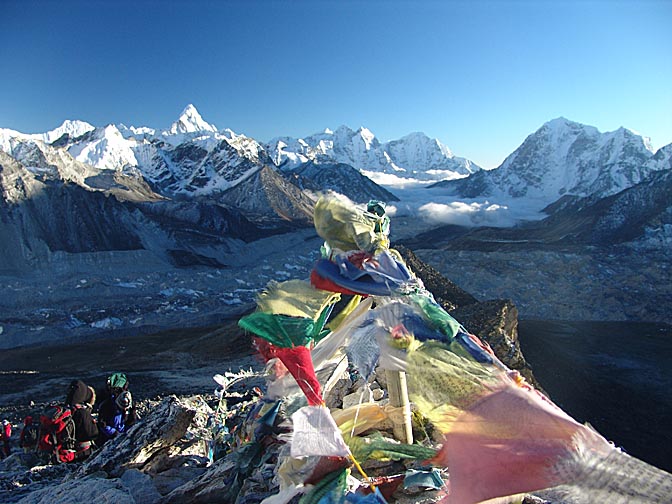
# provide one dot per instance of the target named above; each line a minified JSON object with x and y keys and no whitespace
{"x":398,"y":391}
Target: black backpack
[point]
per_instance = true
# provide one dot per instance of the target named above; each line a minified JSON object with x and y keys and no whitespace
{"x":30,"y":433}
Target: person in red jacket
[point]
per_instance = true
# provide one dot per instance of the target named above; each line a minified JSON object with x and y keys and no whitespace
{"x":6,"y":435}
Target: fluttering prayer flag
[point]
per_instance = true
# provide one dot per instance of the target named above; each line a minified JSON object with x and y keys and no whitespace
{"x":316,"y":433}
{"x":298,"y":362}
{"x":513,"y":441}
{"x":294,"y":298}
{"x":345,"y":227}
{"x":291,"y":313}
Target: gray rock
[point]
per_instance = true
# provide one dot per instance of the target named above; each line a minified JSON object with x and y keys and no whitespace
{"x":77,"y":491}
{"x":140,"y":486}
{"x":147,"y":441}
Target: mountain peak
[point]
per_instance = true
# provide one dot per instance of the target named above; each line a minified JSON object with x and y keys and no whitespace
{"x":73,"y":128}
{"x":190,"y":121}
{"x":561,"y":123}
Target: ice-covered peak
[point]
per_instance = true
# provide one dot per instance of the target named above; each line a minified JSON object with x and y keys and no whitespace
{"x":107,"y":148}
{"x":562,"y":127}
{"x":367,"y":136}
{"x":417,"y":155}
{"x":419,"y":142}
{"x":73,"y":128}
{"x":566,"y":157}
{"x":190,"y":121}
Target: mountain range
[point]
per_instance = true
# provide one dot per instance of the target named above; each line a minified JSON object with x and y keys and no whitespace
{"x":195,"y":188}
{"x":123,"y":230}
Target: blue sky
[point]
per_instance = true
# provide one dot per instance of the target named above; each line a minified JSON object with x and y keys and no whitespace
{"x":478,"y":75}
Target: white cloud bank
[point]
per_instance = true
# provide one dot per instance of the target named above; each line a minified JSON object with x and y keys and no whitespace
{"x":465,"y":214}
{"x":435,"y":207}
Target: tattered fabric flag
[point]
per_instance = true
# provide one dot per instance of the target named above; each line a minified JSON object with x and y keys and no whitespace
{"x":494,"y":426}
{"x":316,"y":433}
{"x":344,"y":313}
{"x":320,"y":282}
{"x":340,"y":336}
{"x":291,"y":313}
{"x":284,"y":331}
{"x":298,"y":362}
{"x":514,"y":441}
{"x":360,"y":418}
{"x":295,"y":298}
{"x":375,"y":446}
{"x":330,"y":490}
{"x":384,"y":267}
{"x":328,"y":275}
{"x":343,"y":226}
{"x":438,"y":317}
{"x":429,"y":478}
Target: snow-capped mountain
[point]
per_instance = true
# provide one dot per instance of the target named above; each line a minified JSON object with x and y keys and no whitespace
{"x":565,"y":158}
{"x":53,"y":203}
{"x":73,"y":129}
{"x":49,"y":164}
{"x":640,"y":215}
{"x":413,"y":157}
{"x":190,"y":121}
{"x":191,"y":157}
{"x":104,"y":148}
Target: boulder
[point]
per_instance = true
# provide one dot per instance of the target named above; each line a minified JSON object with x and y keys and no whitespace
{"x":146,"y":443}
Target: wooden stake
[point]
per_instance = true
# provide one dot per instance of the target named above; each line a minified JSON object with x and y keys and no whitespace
{"x":398,"y":391}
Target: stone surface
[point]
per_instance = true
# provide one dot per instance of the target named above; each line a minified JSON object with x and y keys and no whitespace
{"x":145,"y":442}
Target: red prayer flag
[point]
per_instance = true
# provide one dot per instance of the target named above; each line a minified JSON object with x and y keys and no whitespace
{"x":299,"y":363}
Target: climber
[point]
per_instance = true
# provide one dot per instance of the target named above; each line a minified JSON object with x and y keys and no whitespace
{"x":6,"y":434}
{"x":29,"y":433}
{"x":115,"y":385}
{"x":80,"y":399}
{"x":115,"y":416}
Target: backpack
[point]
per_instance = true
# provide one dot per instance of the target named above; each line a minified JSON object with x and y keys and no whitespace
{"x":30,"y":433}
{"x":56,"y":440}
{"x":117,"y":383}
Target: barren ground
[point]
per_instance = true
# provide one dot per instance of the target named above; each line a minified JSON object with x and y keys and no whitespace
{"x":170,"y":362}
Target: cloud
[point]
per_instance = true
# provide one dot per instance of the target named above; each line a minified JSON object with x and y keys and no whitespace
{"x":466,"y":214}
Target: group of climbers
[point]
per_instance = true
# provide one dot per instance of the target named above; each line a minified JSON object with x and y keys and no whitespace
{"x":72,"y":430}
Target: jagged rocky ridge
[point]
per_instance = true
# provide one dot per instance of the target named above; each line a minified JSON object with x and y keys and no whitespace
{"x":414,"y":156}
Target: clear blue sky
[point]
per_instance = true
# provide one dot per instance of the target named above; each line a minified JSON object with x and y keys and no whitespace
{"x":478,"y":75}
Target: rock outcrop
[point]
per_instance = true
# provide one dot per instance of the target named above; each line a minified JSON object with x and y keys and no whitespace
{"x":494,"y":321}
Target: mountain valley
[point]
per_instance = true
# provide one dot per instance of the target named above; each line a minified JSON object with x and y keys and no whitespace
{"x":121,"y":230}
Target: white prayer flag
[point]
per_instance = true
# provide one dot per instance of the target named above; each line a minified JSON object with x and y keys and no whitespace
{"x":316,"y":433}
